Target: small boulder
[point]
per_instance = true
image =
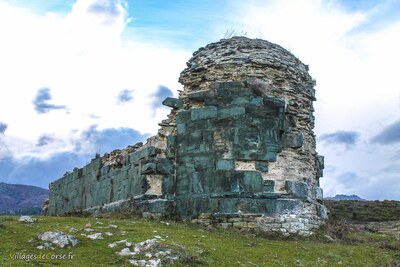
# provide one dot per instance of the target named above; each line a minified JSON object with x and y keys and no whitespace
{"x":126,"y":252}
{"x":146,"y":263}
{"x":59,"y":238}
{"x":27,"y":219}
{"x":95,"y":236}
{"x":145,"y":245}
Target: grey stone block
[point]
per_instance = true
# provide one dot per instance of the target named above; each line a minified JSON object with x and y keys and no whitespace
{"x":297,"y":189}
{"x":173,"y":102}
{"x":204,"y":113}
{"x":262,"y":166}
{"x":269,"y":186}
{"x":225,"y":164}
{"x":294,"y":140}
{"x":317,"y":193}
{"x":231,"y":112}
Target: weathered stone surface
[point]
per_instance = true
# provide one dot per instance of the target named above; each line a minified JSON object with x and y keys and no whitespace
{"x":262,"y":166}
{"x":203,"y":113}
{"x":294,"y":140}
{"x":297,"y":189}
{"x":173,"y":102}
{"x":238,"y":144}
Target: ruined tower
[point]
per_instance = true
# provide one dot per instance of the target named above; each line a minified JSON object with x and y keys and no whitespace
{"x":238,"y":148}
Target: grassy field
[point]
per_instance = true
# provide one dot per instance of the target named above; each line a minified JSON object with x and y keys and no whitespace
{"x":337,"y":244}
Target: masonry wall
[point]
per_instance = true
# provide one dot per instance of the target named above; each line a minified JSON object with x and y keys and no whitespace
{"x":105,"y":186}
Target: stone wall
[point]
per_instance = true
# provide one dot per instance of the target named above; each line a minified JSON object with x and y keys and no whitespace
{"x":237,"y":150}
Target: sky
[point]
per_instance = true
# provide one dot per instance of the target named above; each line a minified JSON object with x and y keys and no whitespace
{"x":80,"y":77}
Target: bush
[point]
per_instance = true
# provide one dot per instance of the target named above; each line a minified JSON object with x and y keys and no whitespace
{"x":340,"y":229}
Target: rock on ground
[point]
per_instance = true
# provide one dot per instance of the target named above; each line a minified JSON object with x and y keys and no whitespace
{"x":95,"y":236}
{"x":146,"y":263}
{"x":59,"y":238}
{"x":27,"y":219}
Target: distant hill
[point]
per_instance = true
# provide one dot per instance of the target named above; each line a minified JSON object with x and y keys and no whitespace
{"x":21,"y":199}
{"x":345,"y":197}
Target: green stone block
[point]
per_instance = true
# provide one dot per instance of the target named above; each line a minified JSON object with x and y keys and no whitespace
{"x":294,"y":140}
{"x":182,"y":184}
{"x":317,"y":193}
{"x":231,"y":112}
{"x":196,"y":96}
{"x":257,"y":101}
{"x":269,"y":186}
{"x":145,"y":152}
{"x":262,"y":166}
{"x":236,"y":186}
{"x":121,"y":176}
{"x":208,"y":136}
{"x":168,"y":185}
{"x":321,"y":164}
{"x":297,"y":189}
{"x":196,"y":137}
{"x":197,"y":183}
{"x":252,"y":182}
{"x":159,"y":206}
{"x":171,"y":141}
{"x":205,"y":148}
{"x":164,"y":166}
{"x":271,"y":153}
{"x":190,"y":167}
{"x":204,"y":113}
{"x":225,"y":164}
{"x":274,"y":102}
{"x":181,"y":128}
{"x":173,"y":102}
{"x":211,"y":101}
{"x":224,"y":92}
{"x":183,"y":116}
{"x":241,"y":101}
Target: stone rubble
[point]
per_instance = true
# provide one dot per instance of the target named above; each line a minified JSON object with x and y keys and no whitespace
{"x":58,"y":238}
{"x":146,"y":263}
{"x":146,"y":248}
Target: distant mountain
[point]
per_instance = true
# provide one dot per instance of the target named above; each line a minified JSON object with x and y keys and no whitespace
{"x":345,"y":197}
{"x":21,"y":199}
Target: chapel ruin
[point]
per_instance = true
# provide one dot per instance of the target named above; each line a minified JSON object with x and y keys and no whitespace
{"x":237,"y":149}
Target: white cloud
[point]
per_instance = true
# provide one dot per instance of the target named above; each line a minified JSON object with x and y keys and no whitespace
{"x":82,"y":58}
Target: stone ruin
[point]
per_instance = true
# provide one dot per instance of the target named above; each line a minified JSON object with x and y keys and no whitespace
{"x":237,"y":149}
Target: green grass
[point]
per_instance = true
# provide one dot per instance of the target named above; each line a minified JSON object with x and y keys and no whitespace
{"x":197,"y":246}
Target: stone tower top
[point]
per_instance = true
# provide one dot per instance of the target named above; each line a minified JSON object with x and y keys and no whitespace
{"x":241,"y":58}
